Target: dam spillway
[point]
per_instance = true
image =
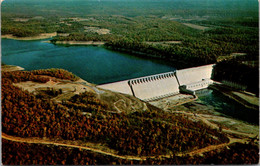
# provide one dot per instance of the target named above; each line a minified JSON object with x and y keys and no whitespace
{"x":155,"y":86}
{"x":163,"y":85}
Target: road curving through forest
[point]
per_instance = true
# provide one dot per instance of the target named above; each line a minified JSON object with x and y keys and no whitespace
{"x":126,"y":157}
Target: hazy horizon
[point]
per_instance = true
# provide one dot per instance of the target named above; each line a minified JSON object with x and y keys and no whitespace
{"x":132,"y":7}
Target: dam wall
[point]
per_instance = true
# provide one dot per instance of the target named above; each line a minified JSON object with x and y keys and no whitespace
{"x":120,"y":86}
{"x":194,"y":74}
{"x":155,"y":86}
{"x":163,"y":85}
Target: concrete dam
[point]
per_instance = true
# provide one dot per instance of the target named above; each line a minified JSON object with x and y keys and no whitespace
{"x":163,"y":85}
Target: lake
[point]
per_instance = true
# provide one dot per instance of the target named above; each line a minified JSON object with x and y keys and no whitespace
{"x":93,"y":64}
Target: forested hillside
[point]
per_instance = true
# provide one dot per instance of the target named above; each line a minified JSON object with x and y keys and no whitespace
{"x":153,"y":132}
{"x":86,"y":119}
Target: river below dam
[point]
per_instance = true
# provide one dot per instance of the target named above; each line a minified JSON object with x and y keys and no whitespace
{"x":99,"y":65}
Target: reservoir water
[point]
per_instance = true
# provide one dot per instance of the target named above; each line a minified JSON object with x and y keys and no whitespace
{"x":93,"y":64}
{"x":99,"y":65}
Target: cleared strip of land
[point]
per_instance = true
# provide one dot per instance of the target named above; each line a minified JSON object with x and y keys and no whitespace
{"x":195,"y":26}
{"x":164,"y":42}
{"x":80,"y":42}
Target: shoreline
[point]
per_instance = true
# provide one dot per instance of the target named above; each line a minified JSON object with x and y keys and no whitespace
{"x":178,"y":64}
{"x":38,"y":37}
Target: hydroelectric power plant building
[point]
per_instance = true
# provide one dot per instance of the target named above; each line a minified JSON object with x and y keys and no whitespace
{"x":163,"y":85}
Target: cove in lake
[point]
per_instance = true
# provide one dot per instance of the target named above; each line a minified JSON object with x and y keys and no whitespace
{"x":93,"y":64}
{"x":99,"y":65}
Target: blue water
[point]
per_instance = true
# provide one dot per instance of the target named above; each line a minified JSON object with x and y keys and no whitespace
{"x":93,"y":64}
{"x":228,"y":107}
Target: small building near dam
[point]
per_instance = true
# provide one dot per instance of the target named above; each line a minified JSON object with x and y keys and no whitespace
{"x":191,"y":88}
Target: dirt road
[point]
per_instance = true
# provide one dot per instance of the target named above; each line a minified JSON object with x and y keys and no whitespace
{"x":59,"y":143}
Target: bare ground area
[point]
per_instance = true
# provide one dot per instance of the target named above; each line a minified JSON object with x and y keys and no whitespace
{"x":100,"y":31}
{"x":170,"y":102}
{"x":195,"y":26}
{"x":78,"y":19}
{"x":116,"y":101}
{"x":20,"y":19}
{"x":123,"y":103}
{"x":164,"y":43}
{"x":69,"y":89}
